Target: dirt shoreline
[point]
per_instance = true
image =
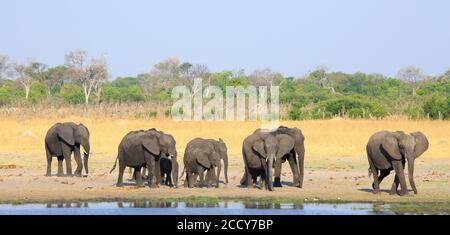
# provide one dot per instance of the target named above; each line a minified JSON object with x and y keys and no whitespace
{"x":323,"y":183}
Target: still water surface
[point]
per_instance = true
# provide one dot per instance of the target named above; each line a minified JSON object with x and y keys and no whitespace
{"x":187,"y":208}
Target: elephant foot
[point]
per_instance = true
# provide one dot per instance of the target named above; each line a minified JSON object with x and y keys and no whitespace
{"x":277,"y":182}
{"x":78,"y":175}
{"x":48,"y":175}
{"x":154,"y":186}
{"x":403,"y":193}
{"x":376,"y":191}
{"x":119,"y":185}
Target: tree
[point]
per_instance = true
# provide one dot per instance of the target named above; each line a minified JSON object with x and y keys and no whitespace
{"x":265,"y":77}
{"x":54,"y":78}
{"x":19,"y":72}
{"x":413,"y":75}
{"x":320,"y":75}
{"x":38,"y":71}
{"x":3,"y":65}
{"x":90,"y":75}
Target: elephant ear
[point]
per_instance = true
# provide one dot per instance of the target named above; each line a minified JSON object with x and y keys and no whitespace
{"x":65,"y":133}
{"x":215,"y":158}
{"x":258,"y":146}
{"x":390,"y":146}
{"x":203,"y":160}
{"x":285,"y":144}
{"x":151,"y":144}
{"x":421,"y":143}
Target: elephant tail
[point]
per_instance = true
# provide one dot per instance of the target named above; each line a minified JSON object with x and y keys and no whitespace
{"x":115,"y":164}
{"x":370,"y":172}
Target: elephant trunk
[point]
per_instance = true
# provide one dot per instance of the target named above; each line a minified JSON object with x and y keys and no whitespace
{"x":300,"y":161}
{"x":269,"y":175}
{"x":175,"y":169}
{"x":411,"y":174}
{"x":87,"y":150}
{"x":225,"y":168}
{"x":218,"y":174}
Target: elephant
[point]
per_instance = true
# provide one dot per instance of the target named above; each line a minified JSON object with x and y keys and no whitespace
{"x":167,"y":170}
{"x":296,"y":156}
{"x":204,"y":155}
{"x":145,"y":148}
{"x":387,"y":151}
{"x":61,"y":140}
{"x":283,"y":144}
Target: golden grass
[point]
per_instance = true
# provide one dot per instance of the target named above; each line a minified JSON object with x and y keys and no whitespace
{"x":324,"y":138}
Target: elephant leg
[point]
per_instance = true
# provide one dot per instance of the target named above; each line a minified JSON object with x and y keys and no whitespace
{"x":144,"y":173}
{"x":208,"y":177}
{"x":261,"y":182}
{"x":202,"y":179}
{"x":249,"y":178}
{"x":77,"y":157}
{"x":277,"y":181}
{"x":60,"y":166}
{"x":398,"y":167}
{"x":294,"y":169}
{"x":152,"y":177}
{"x":139,"y":181}
{"x":122,"y":167}
{"x":394,"y":185}
{"x":158,"y":169}
{"x":67,"y":152}
{"x":190,"y":180}
{"x":383,"y":174}
{"x":375,"y":184}
{"x":49,"y":162}
{"x":169,"y":179}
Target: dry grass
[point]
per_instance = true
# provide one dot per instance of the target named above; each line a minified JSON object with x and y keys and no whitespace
{"x":336,"y":164}
{"x":332,"y":138}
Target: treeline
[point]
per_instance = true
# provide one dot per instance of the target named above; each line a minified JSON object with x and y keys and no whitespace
{"x":319,"y":95}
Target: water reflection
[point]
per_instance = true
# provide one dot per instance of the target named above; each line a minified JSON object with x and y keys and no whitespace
{"x":223,"y":204}
{"x":68,"y":205}
{"x":271,"y":205}
{"x":147,"y":204}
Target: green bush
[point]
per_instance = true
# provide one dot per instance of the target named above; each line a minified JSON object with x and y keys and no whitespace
{"x":37,"y":92}
{"x":72,"y":93}
{"x":436,"y":105}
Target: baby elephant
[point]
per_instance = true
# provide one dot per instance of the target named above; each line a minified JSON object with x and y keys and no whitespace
{"x":203,"y":155}
{"x":387,"y":151}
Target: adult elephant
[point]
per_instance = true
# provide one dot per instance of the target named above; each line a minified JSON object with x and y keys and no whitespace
{"x":295,"y":157}
{"x":144,"y":148}
{"x":169,"y":164}
{"x":204,"y":155}
{"x":260,"y":150}
{"x":387,"y":151}
{"x":61,"y":140}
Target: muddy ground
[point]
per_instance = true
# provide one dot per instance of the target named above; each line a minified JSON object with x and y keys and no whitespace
{"x":326,"y":179}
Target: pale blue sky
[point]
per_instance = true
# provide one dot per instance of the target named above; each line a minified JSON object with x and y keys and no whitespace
{"x":292,"y":37}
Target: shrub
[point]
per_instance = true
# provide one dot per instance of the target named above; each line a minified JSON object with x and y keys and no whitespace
{"x":72,"y":93}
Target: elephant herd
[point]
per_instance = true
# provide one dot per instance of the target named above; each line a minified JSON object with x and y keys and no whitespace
{"x":263,"y":153}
